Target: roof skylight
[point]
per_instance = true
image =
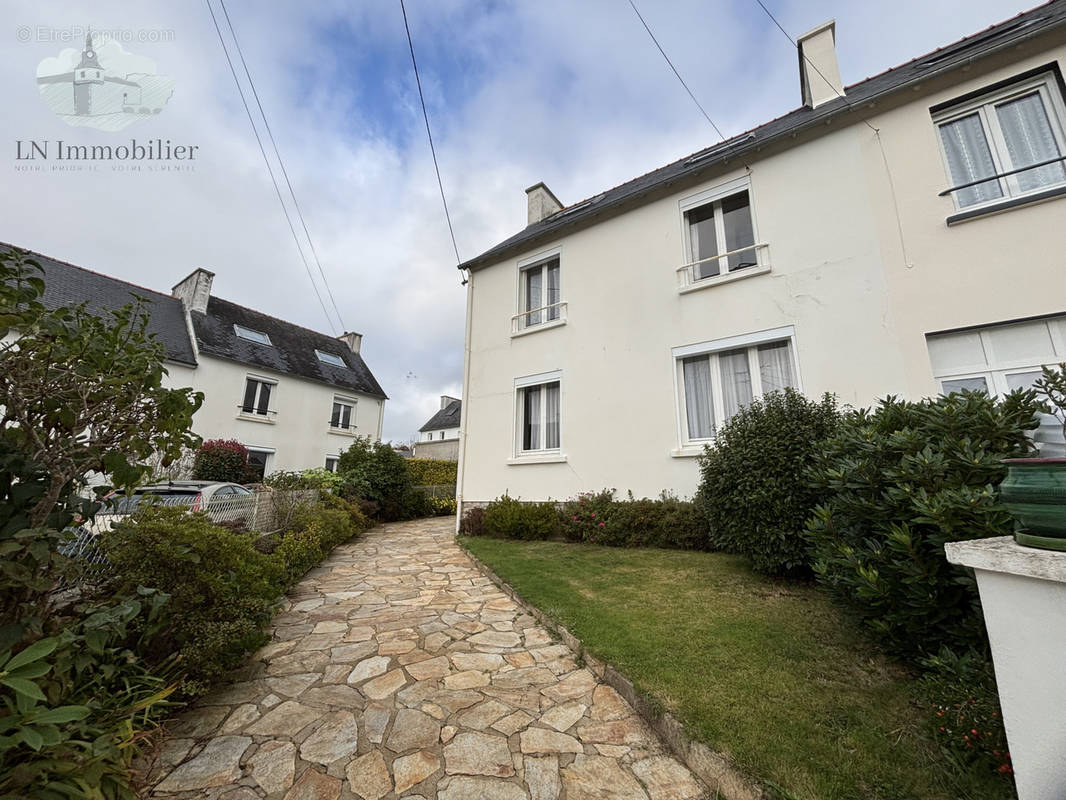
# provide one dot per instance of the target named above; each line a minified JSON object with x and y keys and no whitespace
{"x":330,"y":358}
{"x":252,"y":336}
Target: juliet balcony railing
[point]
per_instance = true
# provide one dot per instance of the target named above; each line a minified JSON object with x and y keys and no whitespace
{"x":690,"y":274}
{"x":528,"y":320}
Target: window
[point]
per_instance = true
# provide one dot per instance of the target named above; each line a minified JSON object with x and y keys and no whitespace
{"x":442,"y":435}
{"x":258,"y":459}
{"x":257,"y":392}
{"x":330,"y":358}
{"x":343,"y":413}
{"x":252,"y":336}
{"x":1013,"y":138}
{"x":717,"y":379}
{"x":540,"y":293}
{"x":721,"y":228}
{"x":538,"y":428}
{"x":331,"y":463}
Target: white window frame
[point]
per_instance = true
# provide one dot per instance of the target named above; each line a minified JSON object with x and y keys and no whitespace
{"x":542,"y":455}
{"x":324,"y":358}
{"x":1047,"y":86}
{"x":336,"y":463}
{"x":750,"y":342}
{"x":352,"y":403}
{"x":252,"y":335}
{"x":271,"y":413}
{"x":687,"y":280}
{"x":269,"y":452}
{"x":520,"y":324}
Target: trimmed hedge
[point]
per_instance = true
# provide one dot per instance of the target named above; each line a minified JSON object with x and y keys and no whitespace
{"x":754,"y":488}
{"x":509,"y":517}
{"x":432,"y":471}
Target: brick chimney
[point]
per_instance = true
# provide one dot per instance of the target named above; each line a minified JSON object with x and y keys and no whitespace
{"x":195,"y":290}
{"x":353,"y":340}
{"x":541,"y":203}
{"x":819,"y":72}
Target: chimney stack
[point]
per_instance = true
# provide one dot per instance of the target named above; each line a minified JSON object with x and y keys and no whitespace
{"x":353,"y":340}
{"x":541,"y":203}
{"x":195,"y":290}
{"x":819,"y":72}
{"x":446,"y":401}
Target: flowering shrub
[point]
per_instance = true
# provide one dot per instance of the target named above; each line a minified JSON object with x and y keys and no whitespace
{"x":964,"y":713}
{"x":584,"y":518}
{"x":221,"y":460}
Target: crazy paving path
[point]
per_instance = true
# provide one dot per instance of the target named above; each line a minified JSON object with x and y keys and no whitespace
{"x":398,"y":670}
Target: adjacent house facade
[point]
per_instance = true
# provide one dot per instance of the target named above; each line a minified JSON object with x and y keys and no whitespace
{"x":439,"y":437}
{"x":294,"y":397}
{"x":904,"y":235}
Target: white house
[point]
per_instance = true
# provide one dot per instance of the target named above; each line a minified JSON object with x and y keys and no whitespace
{"x":439,"y":437}
{"x":903,"y":235}
{"x":294,"y":397}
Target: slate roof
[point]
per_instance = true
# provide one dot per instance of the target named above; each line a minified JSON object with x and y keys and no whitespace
{"x":447,"y":417}
{"x":692,"y":168}
{"x":68,"y":285}
{"x":292,"y":348}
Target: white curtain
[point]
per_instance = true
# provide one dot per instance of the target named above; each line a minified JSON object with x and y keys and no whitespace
{"x":533,"y":295}
{"x":553,"y":290}
{"x":531,"y":434}
{"x":736,"y":380}
{"x":698,"y":406}
{"x":1030,"y":140}
{"x":551,"y":416}
{"x":775,"y":366}
{"x":969,"y":159}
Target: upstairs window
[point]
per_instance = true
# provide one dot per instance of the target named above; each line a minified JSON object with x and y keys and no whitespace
{"x":330,"y":358}
{"x":540,"y":293}
{"x":257,"y":393}
{"x":343,"y":414}
{"x":252,"y":336}
{"x":1006,"y":144}
{"x":720,"y":236}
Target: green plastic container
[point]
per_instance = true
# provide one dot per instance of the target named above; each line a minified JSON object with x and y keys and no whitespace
{"x":1034,"y":493}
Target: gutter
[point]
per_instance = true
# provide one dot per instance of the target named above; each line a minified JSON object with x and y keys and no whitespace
{"x":463,"y":418}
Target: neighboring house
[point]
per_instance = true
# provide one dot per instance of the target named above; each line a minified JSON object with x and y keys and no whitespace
{"x":294,"y":397}
{"x":904,"y":236}
{"x":439,"y":437}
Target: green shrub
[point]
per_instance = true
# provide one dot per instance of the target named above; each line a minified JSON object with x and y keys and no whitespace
{"x":221,"y":460}
{"x":222,"y":590}
{"x":358,"y":519}
{"x":431,"y":471}
{"x":900,"y":482}
{"x":514,"y":519}
{"x":584,"y":518}
{"x":442,"y":506}
{"x":754,"y":489}
{"x":297,"y":552}
{"x":666,"y":522}
{"x":964,"y":714}
{"x":374,"y":472}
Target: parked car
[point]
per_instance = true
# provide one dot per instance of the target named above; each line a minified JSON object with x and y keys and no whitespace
{"x":223,"y":502}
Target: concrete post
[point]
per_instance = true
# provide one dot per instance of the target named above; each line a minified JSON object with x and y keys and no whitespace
{"x":1023,"y":594}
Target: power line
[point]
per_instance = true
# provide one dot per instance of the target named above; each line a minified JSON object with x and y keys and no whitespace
{"x":281,"y":162}
{"x":270,"y":170}
{"x":429,"y":134}
{"x":678,"y":74}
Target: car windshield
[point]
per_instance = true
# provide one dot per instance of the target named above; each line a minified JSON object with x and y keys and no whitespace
{"x":166,"y":497}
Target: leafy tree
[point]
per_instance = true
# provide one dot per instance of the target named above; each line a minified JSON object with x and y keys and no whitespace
{"x":374,"y":471}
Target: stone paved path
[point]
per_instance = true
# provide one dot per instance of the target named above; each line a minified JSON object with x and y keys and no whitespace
{"x":397,"y":670}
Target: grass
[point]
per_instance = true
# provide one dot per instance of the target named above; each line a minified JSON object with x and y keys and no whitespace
{"x":764,"y":671}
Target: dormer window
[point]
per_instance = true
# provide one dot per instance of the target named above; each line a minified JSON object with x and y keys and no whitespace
{"x":252,"y":336}
{"x":330,"y":358}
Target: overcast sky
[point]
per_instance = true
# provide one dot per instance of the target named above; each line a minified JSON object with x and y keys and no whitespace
{"x":571,"y":92}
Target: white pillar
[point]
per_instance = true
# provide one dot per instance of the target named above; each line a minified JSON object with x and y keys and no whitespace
{"x":1023,"y":594}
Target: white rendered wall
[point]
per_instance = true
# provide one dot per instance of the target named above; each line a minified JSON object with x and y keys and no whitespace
{"x":860,"y":310}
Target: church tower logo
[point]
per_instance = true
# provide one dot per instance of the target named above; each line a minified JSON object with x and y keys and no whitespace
{"x":103,"y":86}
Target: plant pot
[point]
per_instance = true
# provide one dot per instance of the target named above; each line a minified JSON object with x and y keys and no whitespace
{"x":1034,"y":493}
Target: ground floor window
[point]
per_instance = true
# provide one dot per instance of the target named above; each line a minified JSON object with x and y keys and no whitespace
{"x":717,"y":379}
{"x":331,"y":463}
{"x":539,"y":414}
{"x":258,"y":463}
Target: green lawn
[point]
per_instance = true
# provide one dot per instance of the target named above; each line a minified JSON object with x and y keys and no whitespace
{"x":765,"y":671}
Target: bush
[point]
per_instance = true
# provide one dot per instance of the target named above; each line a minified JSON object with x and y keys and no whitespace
{"x":473,"y":522}
{"x":431,"y":471}
{"x":315,"y":532}
{"x":584,"y":518}
{"x":373,"y":471}
{"x":666,"y":522}
{"x":358,"y":519}
{"x":964,"y":714}
{"x":754,"y":488}
{"x":222,"y":590}
{"x":442,"y":506}
{"x":514,"y":519}
{"x":900,"y":482}
{"x":224,"y":460}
